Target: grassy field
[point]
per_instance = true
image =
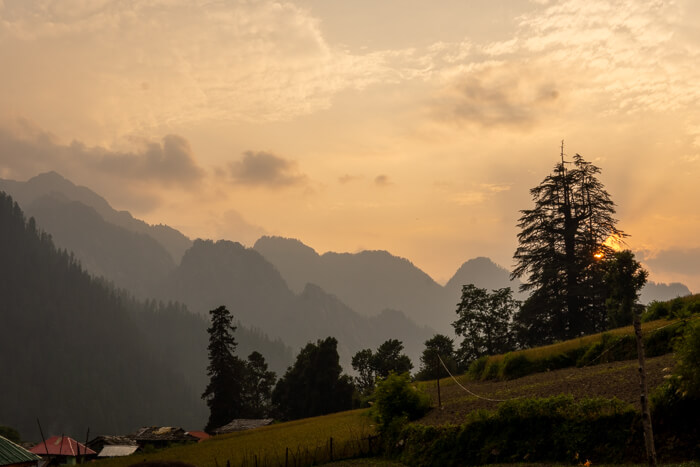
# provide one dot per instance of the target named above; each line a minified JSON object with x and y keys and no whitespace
{"x":301,"y":437}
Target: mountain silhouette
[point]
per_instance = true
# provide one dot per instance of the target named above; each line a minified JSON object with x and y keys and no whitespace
{"x":52,"y":183}
{"x":371,"y":281}
{"x":227,"y":272}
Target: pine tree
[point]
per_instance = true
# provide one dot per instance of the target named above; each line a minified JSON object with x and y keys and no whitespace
{"x":224,"y":393}
{"x":258,"y":386}
{"x":560,"y":244}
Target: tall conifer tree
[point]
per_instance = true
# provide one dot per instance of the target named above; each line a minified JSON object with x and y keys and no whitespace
{"x":224,"y":393}
{"x":561,"y":243}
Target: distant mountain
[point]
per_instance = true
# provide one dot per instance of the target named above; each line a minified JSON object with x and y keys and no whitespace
{"x":371,"y":281}
{"x":51,"y":183}
{"x":133,"y":261}
{"x":660,"y":292}
{"x":71,"y":352}
{"x":368,"y":282}
{"x":483,"y":273}
{"x":212,"y":273}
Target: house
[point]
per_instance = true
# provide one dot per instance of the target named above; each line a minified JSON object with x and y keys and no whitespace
{"x":62,"y":450}
{"x":241,"y":424}
{"x":113,"y":446}
{"x":14,"y":455}
{"x":162,"y":436}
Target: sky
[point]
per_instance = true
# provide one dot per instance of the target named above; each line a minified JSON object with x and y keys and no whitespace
{"x":402,"y":125}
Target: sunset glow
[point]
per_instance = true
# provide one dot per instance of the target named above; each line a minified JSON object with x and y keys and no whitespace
{"x":406,"y":126}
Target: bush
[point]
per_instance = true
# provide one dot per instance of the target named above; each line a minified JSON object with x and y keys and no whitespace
{"x":396,"y":401}
{"x":555,"y":429}
{"x":515,"y":365}
{"x":477,"y":367}
{"x":687,"y":369}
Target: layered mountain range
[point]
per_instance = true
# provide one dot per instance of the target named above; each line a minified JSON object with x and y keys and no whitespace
{"x":153,"y":318}
{"x":280,"y":287}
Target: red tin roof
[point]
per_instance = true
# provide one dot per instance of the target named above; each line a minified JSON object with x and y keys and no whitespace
{"x":61,"y":446}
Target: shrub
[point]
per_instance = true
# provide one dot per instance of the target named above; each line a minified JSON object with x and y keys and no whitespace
{"x":687,"y":369}
{"x":396,"y":400}
{"x":515,"y":365}
{"x":534,"y":430}
{"x":477,"y":367}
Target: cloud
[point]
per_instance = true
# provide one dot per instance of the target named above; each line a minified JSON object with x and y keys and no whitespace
{"x":266,"y":169}
{"x":130,"y":177}
{"x":677,"y":260}
{"x":382,"y":180}
{"x":26,"y":150}
{"x":170,"y":161}
{"x":496,"y":94}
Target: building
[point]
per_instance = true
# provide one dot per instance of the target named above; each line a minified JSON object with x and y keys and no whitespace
{"x":62,"y":450}
{"x":14,"y":455}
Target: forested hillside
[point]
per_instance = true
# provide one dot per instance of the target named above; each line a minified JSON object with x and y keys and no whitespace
{"x":71,"y":351}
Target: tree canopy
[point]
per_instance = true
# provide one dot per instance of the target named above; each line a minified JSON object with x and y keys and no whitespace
{"x":485,"y":321}
{"x":560,"y":241}
{"x":314,"y":385}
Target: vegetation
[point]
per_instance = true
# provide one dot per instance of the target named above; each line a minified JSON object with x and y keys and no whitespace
{"x":396,"y":402}
{"x":388,"y":358}
{"x":625,"y":278}
{"x":65,"y":330}
{"x":257,"y":387}
{"x":485,"y":322}
{"x":681,"y":307}
{"x":314,"y":384}
{"x":556,"y":429}
{"x":439,"y":347}
{"x":224,"y":393}
{"x":560,"y":241}
{"x":617,"y":344}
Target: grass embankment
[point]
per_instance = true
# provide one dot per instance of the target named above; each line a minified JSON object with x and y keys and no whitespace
{"x":307,"y":438}
{"x":614,"y":345}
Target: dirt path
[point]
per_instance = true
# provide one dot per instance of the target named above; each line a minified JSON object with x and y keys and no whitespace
{"x":616,"y":379}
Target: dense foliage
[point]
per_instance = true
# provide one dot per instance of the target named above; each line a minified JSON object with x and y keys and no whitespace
{"x":556,"y":429}
{"x":397,"y":401}
{"x":560,"y":242}
{"x":485,"y":321}
{"x":314,"y":385}
{"x":438,"y":348}
{"x":624,"y":277}
{"x":64,"y":330}
{"x":388,"y":357}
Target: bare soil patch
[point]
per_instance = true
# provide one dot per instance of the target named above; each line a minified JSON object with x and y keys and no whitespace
{"x":608,"y":380}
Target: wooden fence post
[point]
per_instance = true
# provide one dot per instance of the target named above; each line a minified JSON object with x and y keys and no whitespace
{"x":646,"y":415}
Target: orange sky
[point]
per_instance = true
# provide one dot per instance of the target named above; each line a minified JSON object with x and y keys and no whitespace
{"x":411,"y":126}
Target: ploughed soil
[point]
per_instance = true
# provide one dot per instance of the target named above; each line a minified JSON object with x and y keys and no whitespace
{"x":607,"y":380}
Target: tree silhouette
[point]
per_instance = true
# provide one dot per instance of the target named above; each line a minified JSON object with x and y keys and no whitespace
{"x":258,"y":385}
{"x":485,"y":322}
{"x":437,"y":346}
{"x":625,"y":278}
{"x":314,"y":384}
{"x":559,"y":243}
{"x":224,"y":393}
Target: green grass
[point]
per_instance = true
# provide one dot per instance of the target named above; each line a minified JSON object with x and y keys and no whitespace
{"x":269,"y":444}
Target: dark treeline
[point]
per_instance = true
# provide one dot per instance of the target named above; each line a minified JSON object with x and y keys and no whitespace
{"x":71,"y":353}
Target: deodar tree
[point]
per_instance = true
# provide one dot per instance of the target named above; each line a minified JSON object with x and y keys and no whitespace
{"x":561,"y":243}
{"x":224,"y":393}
